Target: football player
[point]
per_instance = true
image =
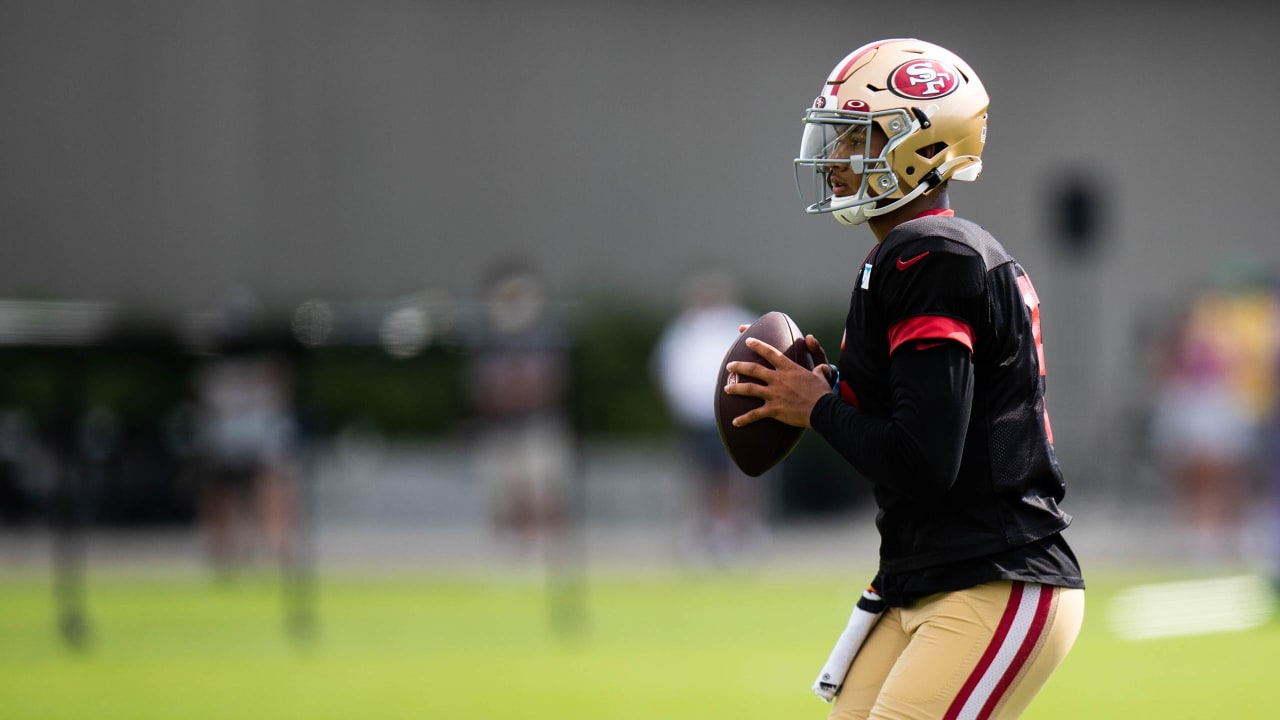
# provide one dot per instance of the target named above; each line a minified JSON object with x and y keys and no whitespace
{"x":937,"y":398}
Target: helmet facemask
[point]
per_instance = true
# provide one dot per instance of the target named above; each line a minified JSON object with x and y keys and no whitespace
{"x":838,"y":138}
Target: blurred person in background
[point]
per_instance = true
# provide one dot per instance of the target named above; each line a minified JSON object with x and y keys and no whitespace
{"x":686,"y":362}
{"x":1215,"y":404}
{"x":517,"y":384}
{"x":16,"y":449}
{"x":246,"y":443}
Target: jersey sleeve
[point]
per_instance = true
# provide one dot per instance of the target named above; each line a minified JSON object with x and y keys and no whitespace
{"x":931,"y":289}
{"x":917,"y":450}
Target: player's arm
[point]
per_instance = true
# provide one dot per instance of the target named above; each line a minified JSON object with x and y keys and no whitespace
{"x":917,"y":450}
{"x":933,"y":289}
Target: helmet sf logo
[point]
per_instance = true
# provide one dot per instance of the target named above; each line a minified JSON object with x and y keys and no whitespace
{"x":923,"y":80}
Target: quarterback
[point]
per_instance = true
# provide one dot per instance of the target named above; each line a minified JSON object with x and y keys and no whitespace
{"x":937,"y":399}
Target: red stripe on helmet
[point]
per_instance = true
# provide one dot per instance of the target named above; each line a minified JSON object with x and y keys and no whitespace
{"x":842,"y":70}
{"x":845,"y":66}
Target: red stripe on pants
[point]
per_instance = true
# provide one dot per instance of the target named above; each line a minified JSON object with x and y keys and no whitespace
{"x":1028,"y":644}
{"x":993,"y":648}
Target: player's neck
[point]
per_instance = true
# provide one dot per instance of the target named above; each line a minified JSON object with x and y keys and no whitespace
{"x":882,"y":225}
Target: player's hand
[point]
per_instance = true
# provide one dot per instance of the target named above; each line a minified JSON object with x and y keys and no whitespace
{"x":819,"y":355}
{"x":789,"y":391}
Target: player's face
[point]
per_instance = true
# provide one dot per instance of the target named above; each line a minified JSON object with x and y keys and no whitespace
{"x":845,"y":180}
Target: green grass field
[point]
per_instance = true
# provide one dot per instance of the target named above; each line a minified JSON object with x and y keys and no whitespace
{"x":661,"y":645}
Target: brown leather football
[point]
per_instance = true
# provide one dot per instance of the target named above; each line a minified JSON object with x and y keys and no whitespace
{"x":759,"y":446}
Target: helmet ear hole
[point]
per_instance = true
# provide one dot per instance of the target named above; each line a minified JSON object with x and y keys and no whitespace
{"x":929,"y":152}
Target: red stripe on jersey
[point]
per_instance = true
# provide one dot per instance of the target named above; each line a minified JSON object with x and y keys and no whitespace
{"x":941,"y":212}
{"x":930,"y":327}
{"x":989,"y":656}
{"x":1033,"y":304}
{"x":1029,"y":643}
{"x":849,"y":395}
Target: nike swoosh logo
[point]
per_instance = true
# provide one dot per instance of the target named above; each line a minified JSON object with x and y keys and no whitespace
{"x":930,"y":345}
{"x":904,"y":264}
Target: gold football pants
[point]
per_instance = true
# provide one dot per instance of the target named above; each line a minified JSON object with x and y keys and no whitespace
{"x":973,"y":654}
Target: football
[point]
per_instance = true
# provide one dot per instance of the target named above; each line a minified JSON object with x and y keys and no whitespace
{"x":759,"y":446}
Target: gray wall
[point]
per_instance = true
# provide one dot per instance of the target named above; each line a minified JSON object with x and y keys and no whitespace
{"x":154,"y":153}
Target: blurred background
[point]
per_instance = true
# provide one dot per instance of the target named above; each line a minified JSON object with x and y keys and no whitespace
{"x":408,"y":299}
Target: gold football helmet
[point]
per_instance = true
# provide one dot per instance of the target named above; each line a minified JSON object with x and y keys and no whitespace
{"x":930,"y":107}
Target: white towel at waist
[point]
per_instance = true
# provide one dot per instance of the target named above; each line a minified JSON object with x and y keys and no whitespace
{"x":865,"y":613}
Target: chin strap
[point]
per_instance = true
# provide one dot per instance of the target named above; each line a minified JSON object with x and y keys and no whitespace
{"x":859,"y":214}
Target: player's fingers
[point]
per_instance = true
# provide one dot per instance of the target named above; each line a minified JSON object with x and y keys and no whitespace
{"x":742,"y":328}
{"x":750,"y":369}
{"x":745,"y":388}
{"x":750,"y":416}
{"x":768,"y":352}
{"x":815,"y":349}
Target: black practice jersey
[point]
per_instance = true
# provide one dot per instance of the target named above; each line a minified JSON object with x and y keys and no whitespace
{"x":940,"y":404}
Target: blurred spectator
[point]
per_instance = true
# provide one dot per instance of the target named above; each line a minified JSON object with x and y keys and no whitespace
{"x":1216,"y":397}
{"x":686,"y":362}
{"x":246,"y":449}
{"x":16,"y":442}
{"x":517,"y":382}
